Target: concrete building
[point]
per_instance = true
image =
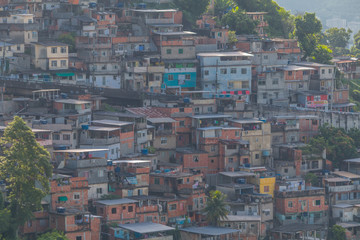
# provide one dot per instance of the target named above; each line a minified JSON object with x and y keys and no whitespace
{"x":50,"y":55}
{"x":225,"y":73}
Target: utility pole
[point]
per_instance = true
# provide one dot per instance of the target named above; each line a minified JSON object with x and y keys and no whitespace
{"x":3,"y":61}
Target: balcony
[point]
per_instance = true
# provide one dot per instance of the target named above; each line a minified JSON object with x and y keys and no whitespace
{"x":86,"y":163}
{"x":164,"y":132}
{"x":156,"y":69}
{"x":159,"y":21}
{"x":99,"y":141}
{"x":347,"y":188}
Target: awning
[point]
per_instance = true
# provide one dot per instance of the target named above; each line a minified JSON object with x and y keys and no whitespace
{"x":65,"y":74}
{"x":62,"y":199}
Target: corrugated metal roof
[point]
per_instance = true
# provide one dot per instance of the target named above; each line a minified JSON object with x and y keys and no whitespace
{"x":116,"y":201}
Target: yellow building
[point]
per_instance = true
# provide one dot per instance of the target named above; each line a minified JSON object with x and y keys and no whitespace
{"x":50,"y":55}
{"x":263,"y":181}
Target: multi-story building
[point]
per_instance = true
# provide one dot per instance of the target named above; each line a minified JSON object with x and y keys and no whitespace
{"x":50,"y":55}
{"x":297,"y":203}
{"x":225,"y":73}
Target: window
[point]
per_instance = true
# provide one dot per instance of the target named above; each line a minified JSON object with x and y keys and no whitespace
{"x":163,"y":140}
{"x":206,"y":72}
{"x":54,"y":50}
{"x":113,"y":210}
{"x":212,"y":148}
{"x":148,"y":219}
{"x":63,"y":49}
{"x":330,"y":71}
{"x":78,"y":237}
{"x":76,"y":196}
{"x":290,"y":204}
{"x":197,"y":110}
{"x":100,"y":173}
{"x":182,"y":123}
{"x":130,"y":209}
{"x":243,"y":71}
{"x":223,"y":71}
{"x":99,"y":190}
{"x":257,"y":156}
{"x":261,"y":83}
{"x":231,"y":147}
{"x":231,"y":160}
{"x":66,"y":137}
{"x":163,"y":219}
{"x":170,"y":77}
{"x":275,"y":81}
{"x":54,"y":63}
{"x":187,"y":77}
{"x":196,"y":159}
{"x":56,"y":136}
{"x":210,"y":109}
{"x":266,"y":189}
{"x":168,"y":51}
{"x":172,"y":207}
{"x":317,"y":202}
{"x":181,"y":51}
{"x":314,"y":164}
{"x":323,"y":71}
{"x":266,"y":57}
{"x":286,"y":170}
{"x":233,"y":71}
{"x":289,"y":73}
{"x":264,"y":95}
{"x":237,"y":133}
{"x":157,"y":181}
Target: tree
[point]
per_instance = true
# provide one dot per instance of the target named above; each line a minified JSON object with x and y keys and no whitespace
{"x":232,"y":38}
{"x":239,"y":22}
{"x":52,"y":236}
{"x":322,"y":54}
{"x":337,"y":37}
{"x":191,"y":10}
{"x":221,"y":7}
{"x":312,"y":178}
{"x":357,"y":40}
{"x":25,"y":166}
{"x":307,"y":30}
{"x":216,"y":207}
{"x":69,"y":39}
{"x":337,"y":233}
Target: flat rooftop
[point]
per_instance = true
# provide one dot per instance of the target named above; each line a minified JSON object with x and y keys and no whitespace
{"x":72,"y":101}
{"x":153,"y":10}
{"x":210,"y":231}
{"x":81,"y":150}
{"x":146,"y":227}
{"x":225,"y":54}
{"x":347,"y":174}
{"x":209,"y":116}
{"x":112,"y":122}
{"x":237,"y":174}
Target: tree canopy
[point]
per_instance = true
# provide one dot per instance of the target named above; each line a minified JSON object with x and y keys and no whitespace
{"x":307,"y":30}
{"x":322,"y":54}
{"x":239,"y":22}
{"x":216,"y":208}
{"x":337,"y":233}
{"x":191,"y":10}
{"x":25,"y":167}
{"x":52,"y":236}
{"x":337,"y":37}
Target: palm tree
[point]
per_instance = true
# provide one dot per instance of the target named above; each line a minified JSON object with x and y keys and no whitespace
{"x":216,"y":208}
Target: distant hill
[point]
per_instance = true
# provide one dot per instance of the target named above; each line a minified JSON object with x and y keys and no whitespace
{"x":325,"y":9}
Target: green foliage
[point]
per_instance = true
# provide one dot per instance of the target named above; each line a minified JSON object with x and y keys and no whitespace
{"x":312,"y":178}
{"x":151,"y":150}
{"x":69,"y":39}
{"x":307,"y":30}
{"x":322,"y":54}
{"x":222,"y":6}
{"x":232,"y":38}
{"x":55,"y":235}
{"x":337,"y":37}
{"x":25,"y":166}
{"x":191,"y":10}
{"x":337,"y":233}
{"x":216,"y":208}
{"x":239,"y":22}
{"x":338,"y":144}
{"x":281,"y":22}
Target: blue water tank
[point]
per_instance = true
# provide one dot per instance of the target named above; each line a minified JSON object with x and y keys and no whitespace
{"x":85,"y":127}
{"x":43,"y":121}
{"x":247,"y":165}
{"x":92,"y":5}
{"x":144,"y":151}
{"x":187,"y":100}
{"x":109,"y":163}
{"x":167,"y":170}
